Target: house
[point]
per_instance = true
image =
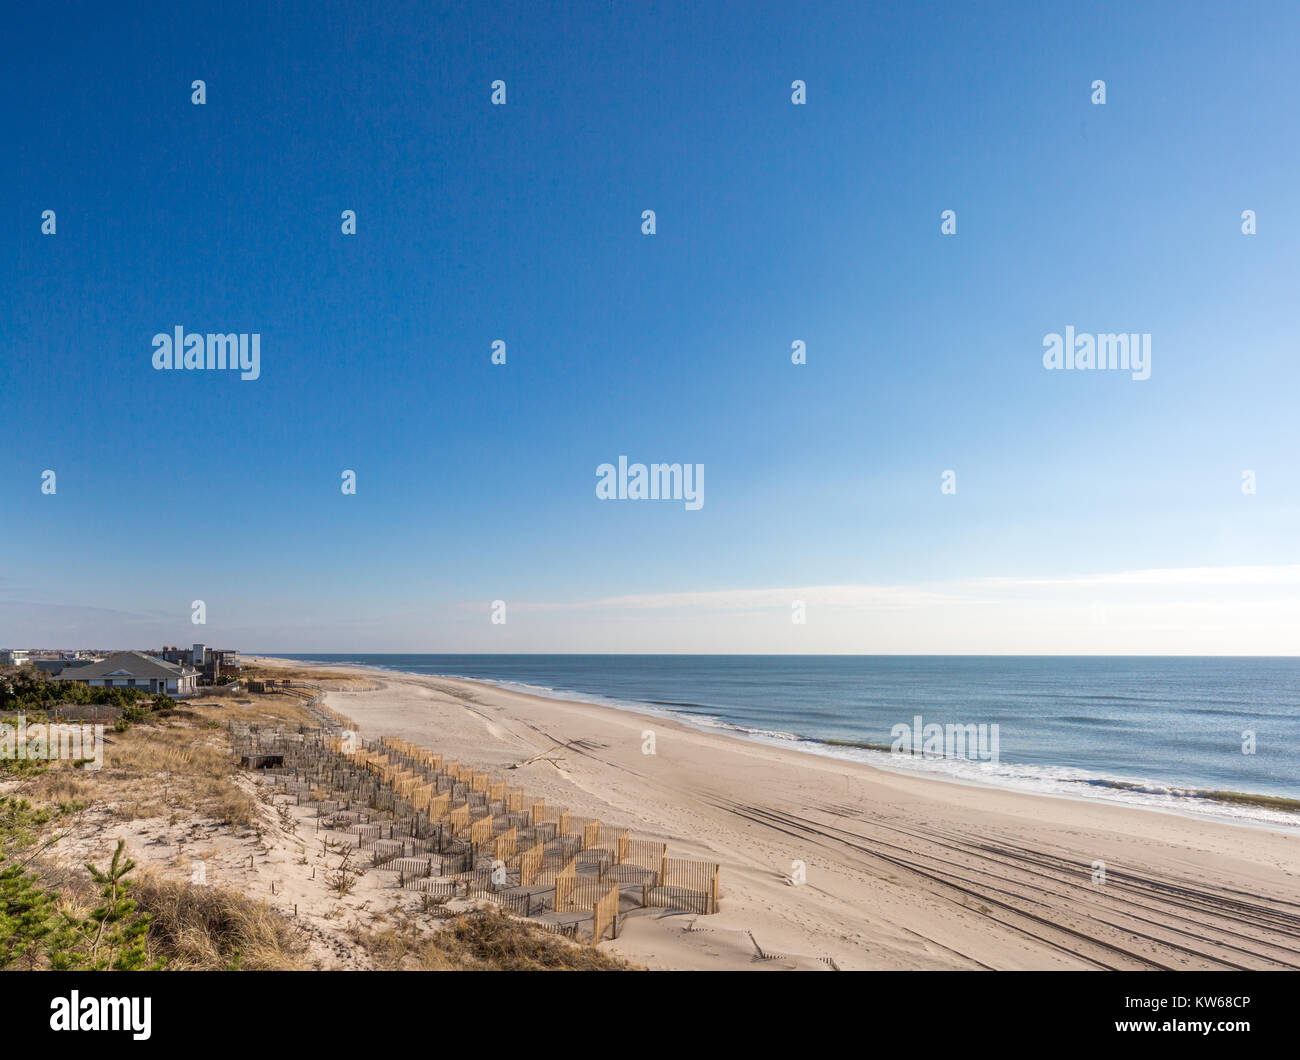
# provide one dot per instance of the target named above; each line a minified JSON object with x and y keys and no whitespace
{"x":219,"y":661}
{"x":133,"y":669}
{"x":210,"y":662}
{"x":14,"y":657}
{"x":227,"y":657}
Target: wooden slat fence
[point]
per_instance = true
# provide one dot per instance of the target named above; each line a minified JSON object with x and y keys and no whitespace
{"x":566,"y":880}
{"x":395,"y":799}
{"x":604,"y":915}
{"x":505,"y":844}
{"x":530,"y":863}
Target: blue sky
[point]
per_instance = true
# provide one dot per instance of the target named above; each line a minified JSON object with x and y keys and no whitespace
{"x":775,"y":223}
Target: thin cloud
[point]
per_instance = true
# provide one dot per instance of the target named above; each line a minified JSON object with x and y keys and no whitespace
{"x":871,"y":597}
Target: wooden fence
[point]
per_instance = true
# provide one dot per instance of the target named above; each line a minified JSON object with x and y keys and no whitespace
{"x":566,"y":881}
{"x":395,"y":799}
{"x":439,"y":806}
{"x":530,"y":863}
{"x":645,"y":853}
{"x":480,"y":831}
{"x":687,"y":884}
{"x":604,"y":915}
{"x":505,"y":844}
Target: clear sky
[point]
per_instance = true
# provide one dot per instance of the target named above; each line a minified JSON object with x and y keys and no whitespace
{"x":775,"y":223}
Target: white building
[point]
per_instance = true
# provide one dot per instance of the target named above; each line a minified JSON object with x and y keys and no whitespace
{"x":13,"y":657}
{"x":131,"y":669}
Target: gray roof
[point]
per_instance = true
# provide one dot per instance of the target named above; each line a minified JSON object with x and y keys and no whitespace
{"x":50,"y":666}
{"x":132,"y":664}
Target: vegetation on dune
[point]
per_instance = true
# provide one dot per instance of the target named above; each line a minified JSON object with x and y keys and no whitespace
{"x":280,"y":673}
{"x":113,"y":916}
{"x":483,"y":940}
{"x":39,"y":928}
{"x":202,"y":928}
{"x":19,"y":824}
{"x":104,"y":918}
{"x":111,"y":937}
{"x":26,"y":688}
{"x":28,"y":914}
{"x":29,"y":691}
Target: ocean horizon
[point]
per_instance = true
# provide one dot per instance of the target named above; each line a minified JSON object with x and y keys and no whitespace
{"x":1160,"y":732}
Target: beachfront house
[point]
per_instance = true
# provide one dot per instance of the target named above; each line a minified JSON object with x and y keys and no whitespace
{"x":133,"y":669}
{"x":210,"y":662}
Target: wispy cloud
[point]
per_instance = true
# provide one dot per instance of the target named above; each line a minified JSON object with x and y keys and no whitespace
{"x":1284,"y":575}
{"x":1239,"y":610}
{"x":872,"y":597}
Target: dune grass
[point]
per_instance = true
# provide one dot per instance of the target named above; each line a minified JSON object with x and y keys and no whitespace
{"x":204,"y":928}
{"x":483,"y":940}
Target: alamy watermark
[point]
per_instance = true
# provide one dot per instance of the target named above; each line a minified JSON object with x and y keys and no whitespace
{"x":77,"y":1013}
{"x":52,"y":742}
{"x":654,"y":482}
{"x":1083,"y":352}
{"x":932,"y":740}
{"x":240,"y":352}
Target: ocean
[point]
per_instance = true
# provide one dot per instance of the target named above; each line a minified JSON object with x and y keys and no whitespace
{"x":1158,"y":732}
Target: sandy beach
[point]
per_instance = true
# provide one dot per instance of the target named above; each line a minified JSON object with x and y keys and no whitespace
{"x":900,"y":871}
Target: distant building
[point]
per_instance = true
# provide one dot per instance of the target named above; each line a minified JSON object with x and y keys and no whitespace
{"x":223,"y":658}
{"x":133,"y":669}
{"x":210,"y":662}
{"x":14,"y":657}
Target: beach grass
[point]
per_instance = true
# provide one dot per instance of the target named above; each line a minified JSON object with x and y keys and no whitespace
{"x":481,"y":940}
{"x":178,"y":769}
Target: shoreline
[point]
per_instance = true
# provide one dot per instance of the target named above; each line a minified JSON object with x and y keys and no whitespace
{"x":1141,"y":793}
{"x":895,"y":870}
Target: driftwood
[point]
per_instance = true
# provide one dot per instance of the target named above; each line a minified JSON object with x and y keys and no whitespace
{"x":543,"y":756}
